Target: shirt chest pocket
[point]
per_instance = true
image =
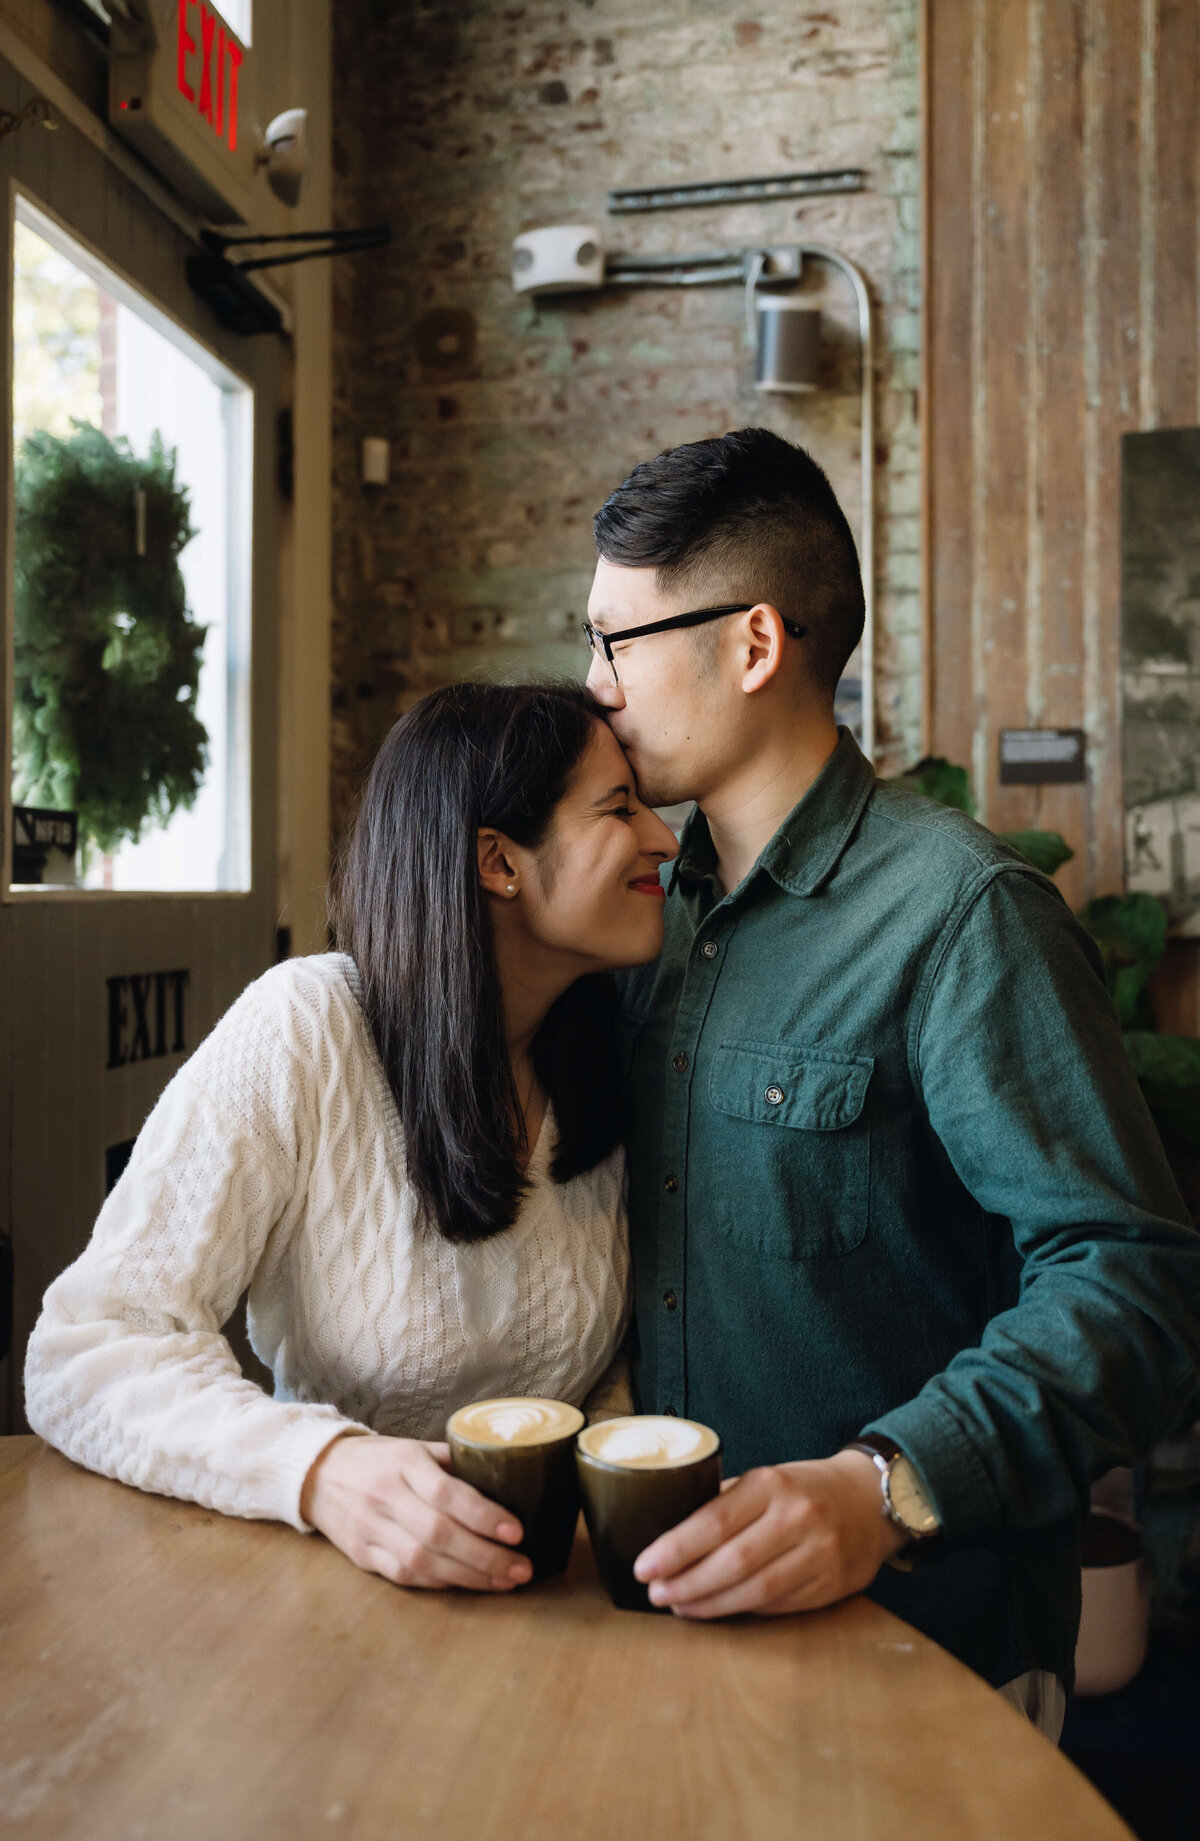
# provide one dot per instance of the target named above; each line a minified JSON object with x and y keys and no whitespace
{"x":788,"y":1149}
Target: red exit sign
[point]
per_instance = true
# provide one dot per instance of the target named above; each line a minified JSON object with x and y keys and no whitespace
{"x":181,"y":89}
{"x":208,"y":60}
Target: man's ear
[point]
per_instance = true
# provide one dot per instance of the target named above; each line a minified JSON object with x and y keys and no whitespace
{"x":761,"y":642}
{"x":497,"y":870}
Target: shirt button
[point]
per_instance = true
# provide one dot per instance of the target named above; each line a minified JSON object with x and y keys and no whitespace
{"x":774,"y":1096}
{"x":671,"y":1184}
{"x":709,"y":949}
{"x":680,"y":1064}
{"x":670,"y":1300}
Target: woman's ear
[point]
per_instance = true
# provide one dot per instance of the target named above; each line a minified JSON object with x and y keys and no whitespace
{"x":497,"y":871}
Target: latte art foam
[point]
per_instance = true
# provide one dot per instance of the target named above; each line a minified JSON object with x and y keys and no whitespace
{"x":648,"y":1442}
{"x":524,"y":1421}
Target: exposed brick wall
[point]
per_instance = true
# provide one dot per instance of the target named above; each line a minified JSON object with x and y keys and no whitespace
{"x":466,"y":123}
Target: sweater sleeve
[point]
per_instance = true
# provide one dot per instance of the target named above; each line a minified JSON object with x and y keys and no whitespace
{"x":127,"y":1371}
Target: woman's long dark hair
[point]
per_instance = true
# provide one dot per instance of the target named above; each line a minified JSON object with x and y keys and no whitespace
{"x":409,"y":907}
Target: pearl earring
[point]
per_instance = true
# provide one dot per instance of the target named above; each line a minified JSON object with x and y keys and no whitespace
{"x":512,"y":888}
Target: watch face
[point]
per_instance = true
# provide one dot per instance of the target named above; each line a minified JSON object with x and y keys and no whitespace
{"x":909,"y":1499}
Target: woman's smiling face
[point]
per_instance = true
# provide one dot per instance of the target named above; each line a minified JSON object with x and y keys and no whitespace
{"x":591,"y":890}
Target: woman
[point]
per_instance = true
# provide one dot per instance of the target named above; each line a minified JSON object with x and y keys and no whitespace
{"x":409,"y":1150}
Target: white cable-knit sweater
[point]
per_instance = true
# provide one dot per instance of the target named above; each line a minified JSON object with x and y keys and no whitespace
{"x":275,"y":1158}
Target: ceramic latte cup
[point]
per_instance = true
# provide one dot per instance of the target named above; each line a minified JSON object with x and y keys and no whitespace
{"x":521,"y":1454}
{"x":639,"y":1477}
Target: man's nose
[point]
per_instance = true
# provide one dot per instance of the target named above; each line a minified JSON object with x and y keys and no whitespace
{"x":600,"y":683}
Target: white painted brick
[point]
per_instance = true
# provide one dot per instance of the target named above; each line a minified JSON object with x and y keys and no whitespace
{"x":478,"y":557}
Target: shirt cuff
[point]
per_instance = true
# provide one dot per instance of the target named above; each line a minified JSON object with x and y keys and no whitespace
{"x":949,"y":1466}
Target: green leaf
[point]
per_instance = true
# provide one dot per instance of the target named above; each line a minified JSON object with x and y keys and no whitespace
{"x":1168,"y":1072}
{"x":1131,"y":932}
{"x":937,"y":778}
{"x":1046,"y":850}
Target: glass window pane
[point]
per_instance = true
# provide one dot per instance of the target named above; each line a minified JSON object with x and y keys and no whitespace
{"x":237,"y":13}
{"x":132,"y":582}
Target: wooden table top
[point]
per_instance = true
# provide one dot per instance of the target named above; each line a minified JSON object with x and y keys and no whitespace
{"x":168,"y":1672}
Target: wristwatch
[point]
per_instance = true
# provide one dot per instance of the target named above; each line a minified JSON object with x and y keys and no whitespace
{"x":905,"y":1502}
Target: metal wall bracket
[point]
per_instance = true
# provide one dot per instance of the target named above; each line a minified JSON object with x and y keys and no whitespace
{"x":785,"y":263}
{"x":736,"y":191}
{"x":782,"y":264}
{"x":36,"y":109}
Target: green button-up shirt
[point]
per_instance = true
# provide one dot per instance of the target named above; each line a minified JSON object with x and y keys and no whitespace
{"x":890,"y":1170}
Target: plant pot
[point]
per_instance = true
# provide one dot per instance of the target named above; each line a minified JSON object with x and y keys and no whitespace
{"x":1114,"y":1627}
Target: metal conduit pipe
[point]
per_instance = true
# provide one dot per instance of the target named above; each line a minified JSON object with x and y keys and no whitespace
{"x":866,"y":334}
{"x":538,"y":268}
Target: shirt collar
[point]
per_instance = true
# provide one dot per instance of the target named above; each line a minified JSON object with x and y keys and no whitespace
{"x":808,"y":845}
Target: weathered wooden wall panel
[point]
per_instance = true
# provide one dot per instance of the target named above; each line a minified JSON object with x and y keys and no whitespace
{"x":1112,"y":307}
{"x":1177,"y":103}
{"x":949,"y":213}
{"x":1062,"y":309}
{"x":1001,"y":366}
{"x":1058,"y":403}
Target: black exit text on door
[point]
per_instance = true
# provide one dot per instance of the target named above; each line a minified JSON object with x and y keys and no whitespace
{"x":146,"y":1016}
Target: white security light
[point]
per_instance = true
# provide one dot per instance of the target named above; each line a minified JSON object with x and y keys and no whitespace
{"x":285,"y":155}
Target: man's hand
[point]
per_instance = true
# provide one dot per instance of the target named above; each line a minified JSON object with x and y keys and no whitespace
{"x":791,"y":1537}
{"x":392,"y":1507}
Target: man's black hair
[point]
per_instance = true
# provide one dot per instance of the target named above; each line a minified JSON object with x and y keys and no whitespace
{"x":745,"y":516}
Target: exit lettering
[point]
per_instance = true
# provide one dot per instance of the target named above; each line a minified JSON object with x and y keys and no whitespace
{"x":207,"y":68}
{"x":146,"y":1017}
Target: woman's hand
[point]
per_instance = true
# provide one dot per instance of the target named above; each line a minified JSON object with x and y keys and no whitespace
{"x":392,"y":1507}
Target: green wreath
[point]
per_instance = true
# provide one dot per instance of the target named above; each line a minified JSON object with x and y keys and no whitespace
{"x":107,"y":655}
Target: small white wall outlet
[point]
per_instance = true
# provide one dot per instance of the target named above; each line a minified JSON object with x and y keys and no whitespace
{"x":562,"y":259}
{"x":376,"y":460}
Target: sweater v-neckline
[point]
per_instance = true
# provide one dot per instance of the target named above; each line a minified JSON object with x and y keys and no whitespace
{"x":536,"y":1158}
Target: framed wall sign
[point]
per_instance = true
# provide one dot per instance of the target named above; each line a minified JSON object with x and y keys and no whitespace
{"x":1041,"y":757}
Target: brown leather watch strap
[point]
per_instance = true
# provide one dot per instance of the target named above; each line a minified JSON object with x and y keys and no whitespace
{"x":875,"y":1445}
{"x":919,"y":1547}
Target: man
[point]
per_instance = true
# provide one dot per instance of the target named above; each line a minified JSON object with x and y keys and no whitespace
{"x":891,"y":1175}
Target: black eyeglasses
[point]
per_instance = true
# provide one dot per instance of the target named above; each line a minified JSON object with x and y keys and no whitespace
{"x":602,"y":643}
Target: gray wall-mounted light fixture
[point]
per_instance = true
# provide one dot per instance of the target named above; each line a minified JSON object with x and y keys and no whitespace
{"x":783,"y":331}
{"x":787,"y":344}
